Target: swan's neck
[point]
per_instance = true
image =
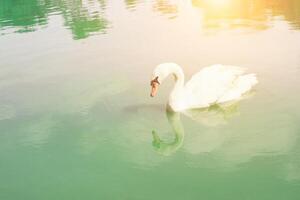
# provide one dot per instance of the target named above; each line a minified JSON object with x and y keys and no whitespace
{"x":179,"y":80}
{"x":176,"y":95}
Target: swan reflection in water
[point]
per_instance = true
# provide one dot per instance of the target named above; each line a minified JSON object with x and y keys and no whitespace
{"x":217,"y":114}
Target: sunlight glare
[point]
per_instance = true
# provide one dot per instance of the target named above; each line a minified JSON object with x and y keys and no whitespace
{"x":218,"y":2}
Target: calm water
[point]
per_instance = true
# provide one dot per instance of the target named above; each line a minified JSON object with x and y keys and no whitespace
{"x":77,"y":122}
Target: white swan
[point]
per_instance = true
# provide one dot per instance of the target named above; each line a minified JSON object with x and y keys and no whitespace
{"x":212,"y":85}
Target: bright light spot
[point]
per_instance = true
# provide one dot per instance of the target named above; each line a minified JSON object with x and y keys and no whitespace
{"x":218,"y":2}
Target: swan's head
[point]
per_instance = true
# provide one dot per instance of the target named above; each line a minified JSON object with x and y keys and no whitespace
{"x":159,"y":74}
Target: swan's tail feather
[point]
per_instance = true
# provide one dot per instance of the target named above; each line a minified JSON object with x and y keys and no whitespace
{"x":248,"y":81}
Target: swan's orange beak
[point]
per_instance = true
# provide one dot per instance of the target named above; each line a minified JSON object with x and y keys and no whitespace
{"x":154,"y":87}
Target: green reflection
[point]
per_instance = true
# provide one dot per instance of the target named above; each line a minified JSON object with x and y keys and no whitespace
{"x":215,"y":115}
{"x":131,"y":3}
{"x":167,"y":148}
{"x":82,"y":18}
{"x":85,"y":18}
{"x":23,"y":15}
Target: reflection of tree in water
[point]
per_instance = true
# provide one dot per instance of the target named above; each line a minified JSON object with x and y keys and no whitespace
{"x":23,"y":14}
{"x":165,"y":7}
{"x":290,"y":9}
{"x":131,"y":3}
{"x":247,"y":13}
{"x":83,"y":17}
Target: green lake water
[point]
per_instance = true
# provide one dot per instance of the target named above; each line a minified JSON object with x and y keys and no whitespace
{"x":77,"y":121}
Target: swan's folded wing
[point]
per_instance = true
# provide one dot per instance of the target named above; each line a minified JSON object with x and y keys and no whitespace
{"x":210,"y":84}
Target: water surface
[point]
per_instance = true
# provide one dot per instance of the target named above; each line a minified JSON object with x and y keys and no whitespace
{"x":77,"y":122}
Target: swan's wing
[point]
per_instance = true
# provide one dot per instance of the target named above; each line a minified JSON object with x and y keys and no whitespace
{"x":210,"y":84}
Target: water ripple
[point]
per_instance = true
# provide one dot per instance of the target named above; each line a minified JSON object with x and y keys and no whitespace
{"x":89,"y":17}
